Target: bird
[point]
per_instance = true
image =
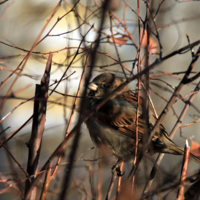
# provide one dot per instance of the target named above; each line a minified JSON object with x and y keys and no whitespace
{"x":113,"y":125}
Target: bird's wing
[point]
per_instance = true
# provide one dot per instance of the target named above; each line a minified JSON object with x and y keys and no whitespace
{"x":120,"y":114}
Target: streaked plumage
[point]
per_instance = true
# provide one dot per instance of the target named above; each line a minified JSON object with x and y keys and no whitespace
{"x":114,"y":124}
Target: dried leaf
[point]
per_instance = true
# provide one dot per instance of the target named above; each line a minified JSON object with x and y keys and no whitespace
{"x":152,"y":44}
{"x":120,"y":40}
{"x":195,"y":149}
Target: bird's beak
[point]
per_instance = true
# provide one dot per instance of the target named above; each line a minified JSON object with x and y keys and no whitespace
{"x":92,"y":86}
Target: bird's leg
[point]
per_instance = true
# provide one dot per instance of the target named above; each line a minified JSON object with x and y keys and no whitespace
{"x":115,"y":172}
{"x":116,"y":168}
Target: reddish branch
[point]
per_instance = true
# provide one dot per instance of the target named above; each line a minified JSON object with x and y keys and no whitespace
{"x":184,"y":171}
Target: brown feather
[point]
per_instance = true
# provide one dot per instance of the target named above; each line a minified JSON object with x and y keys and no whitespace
{"x":114,"y":124}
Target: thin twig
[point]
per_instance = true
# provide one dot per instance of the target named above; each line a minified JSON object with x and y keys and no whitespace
{"x":180,"y":195}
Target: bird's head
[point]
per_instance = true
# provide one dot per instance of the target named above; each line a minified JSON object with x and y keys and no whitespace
{"x":103,"y":84}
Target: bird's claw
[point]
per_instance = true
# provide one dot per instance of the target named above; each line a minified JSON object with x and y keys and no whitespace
{"x":117,"y":171}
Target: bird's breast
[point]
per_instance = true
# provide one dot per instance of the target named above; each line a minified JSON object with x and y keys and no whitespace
{"x":104,"y":136}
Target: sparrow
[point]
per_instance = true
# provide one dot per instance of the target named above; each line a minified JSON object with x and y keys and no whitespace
{"x":113,"y":126}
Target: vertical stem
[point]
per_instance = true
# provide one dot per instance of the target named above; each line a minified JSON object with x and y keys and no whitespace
{"x":34,"y":145}
{"x":39,"y":115}
{"x":138,"y":102}
{"x":180,"y":195}
{"x":146,"y":104}
{"x":46,"y":184}
{"x":69,"y":168}
{"x":99,"y":177}
{"x":120,"y":179}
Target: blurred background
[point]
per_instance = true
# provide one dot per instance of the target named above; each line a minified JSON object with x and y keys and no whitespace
{"x":22,"y":21}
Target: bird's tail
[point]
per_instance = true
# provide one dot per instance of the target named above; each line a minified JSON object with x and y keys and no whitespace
{"x":195,"y":158}
{"x":175,"y":149}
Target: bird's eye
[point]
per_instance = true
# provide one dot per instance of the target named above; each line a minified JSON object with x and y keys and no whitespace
{"x":106,"y":85}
